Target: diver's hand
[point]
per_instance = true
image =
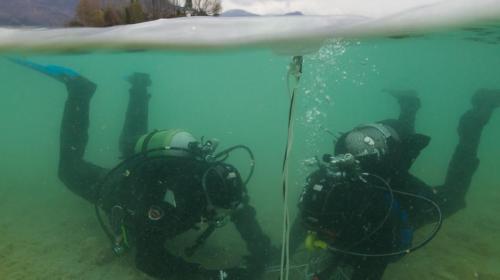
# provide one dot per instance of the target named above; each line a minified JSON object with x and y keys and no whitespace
{"x":229,"y":274}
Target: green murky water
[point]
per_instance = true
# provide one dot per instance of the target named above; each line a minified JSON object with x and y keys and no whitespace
{"x":240,"y":97}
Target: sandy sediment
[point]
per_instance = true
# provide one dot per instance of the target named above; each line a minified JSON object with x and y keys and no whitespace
{"x":56,"y":236}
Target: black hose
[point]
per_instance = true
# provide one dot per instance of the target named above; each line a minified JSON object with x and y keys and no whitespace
{"x":409,"y":250}
{"x":225,"y":154}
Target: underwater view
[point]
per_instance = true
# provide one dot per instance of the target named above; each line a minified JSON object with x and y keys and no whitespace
{"x":281,"y":110}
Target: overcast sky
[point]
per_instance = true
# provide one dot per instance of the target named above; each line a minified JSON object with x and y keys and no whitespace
{"x":325,"y":7}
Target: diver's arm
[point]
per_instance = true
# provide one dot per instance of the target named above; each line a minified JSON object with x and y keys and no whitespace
{"x":153,"y":258}
{"x":77,"y":174}
{"x":136,"y":118}
{"x":258,"y":243}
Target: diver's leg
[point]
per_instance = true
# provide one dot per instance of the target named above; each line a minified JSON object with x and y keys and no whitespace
{"x":464,"y":161}
{"x":409,"y":104}
{"x":78,"y":175}
{"x":136,"y":118}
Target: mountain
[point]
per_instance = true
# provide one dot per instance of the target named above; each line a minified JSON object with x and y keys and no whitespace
{"x":36,"y":12}
{"x":296,"y":13}
{"x":237,"y":13}
{"x":55,"y":13}
{"x":243,"y":13}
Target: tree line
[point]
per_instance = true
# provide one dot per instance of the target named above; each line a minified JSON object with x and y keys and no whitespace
{"x":102,"y":13}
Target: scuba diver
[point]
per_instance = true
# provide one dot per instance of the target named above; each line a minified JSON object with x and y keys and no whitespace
{"x":167,"y":184}
{"x":359,"y":209}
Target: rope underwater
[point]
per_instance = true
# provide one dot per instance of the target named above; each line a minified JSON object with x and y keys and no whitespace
{"x":294,"y":74}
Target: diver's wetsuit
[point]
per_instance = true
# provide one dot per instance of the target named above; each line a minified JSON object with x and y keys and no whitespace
{"x":82,"y":177}
{"x":450,"y":196}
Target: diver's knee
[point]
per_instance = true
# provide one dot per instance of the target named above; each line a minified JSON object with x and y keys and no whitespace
{"x":453,"y":207}
{"x":63,"y":173}
{"x":81,"y":87}
{"x":68,"y":175}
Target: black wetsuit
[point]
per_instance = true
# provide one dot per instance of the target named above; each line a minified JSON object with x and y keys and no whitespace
{"x":450,"y":196}
{"x":82,"y":178}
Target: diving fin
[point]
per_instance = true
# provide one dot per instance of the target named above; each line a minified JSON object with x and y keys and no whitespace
{"x":59,"y":73}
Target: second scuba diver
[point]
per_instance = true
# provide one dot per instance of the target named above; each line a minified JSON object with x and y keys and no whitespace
{"x":361,"y":206}
{"x":168,"y":183}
